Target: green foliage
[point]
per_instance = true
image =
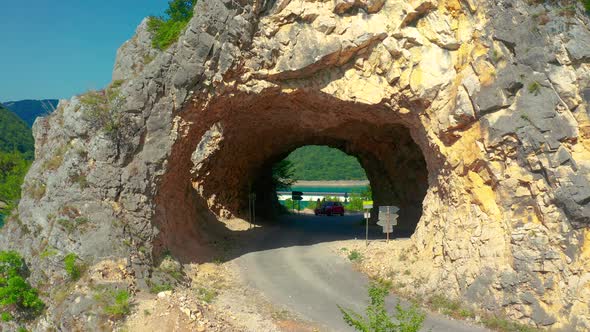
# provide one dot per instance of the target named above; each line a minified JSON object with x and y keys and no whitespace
{"x":11,"y":264}
{"x":156,"y":288}
{"x":15,"y":135}
{"x":377,"y":319}
{"x":290,"y":204}
{"x":13,"y":168}
{"x":283,"y":175}
{"x":73,"y":269}
{"x":586,"y":5}
{"x":355,"y":256}
{"x":17,"y":297}
{"x":115,"y":304}
{"x":325,"y":163}
{"x":356,"y":198}
{"x":206,"y":295}
{"x":166,"y":30}
{"x":6,"y":317}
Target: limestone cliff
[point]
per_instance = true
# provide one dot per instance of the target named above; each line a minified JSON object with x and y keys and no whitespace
{"x":480,"y":107}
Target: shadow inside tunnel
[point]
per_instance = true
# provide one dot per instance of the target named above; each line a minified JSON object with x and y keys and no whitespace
{"x":293,"y":230}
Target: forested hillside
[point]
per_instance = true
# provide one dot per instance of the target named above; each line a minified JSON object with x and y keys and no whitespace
{"x":16,"y":153}
{"x":15,"y":135}
{"x":324,"y":163}
{"x":29,"y":110}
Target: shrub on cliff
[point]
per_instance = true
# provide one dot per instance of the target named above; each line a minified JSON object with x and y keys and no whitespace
{"x":378,"y":320}
{"x":17,"y":298}
{"x":103,"y":108}
{"x":166,"y":30}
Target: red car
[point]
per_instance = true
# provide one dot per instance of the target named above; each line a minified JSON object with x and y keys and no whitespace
{"x":330,"y":208}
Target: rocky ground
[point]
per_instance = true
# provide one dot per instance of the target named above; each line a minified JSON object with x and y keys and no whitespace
{"x":216,"y":300}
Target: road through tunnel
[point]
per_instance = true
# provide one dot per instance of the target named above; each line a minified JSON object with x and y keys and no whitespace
{"x":230,"y":155}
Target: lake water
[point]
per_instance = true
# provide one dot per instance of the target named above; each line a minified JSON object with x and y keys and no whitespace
{"x":328,"y":189}
{"x":324,"y":189}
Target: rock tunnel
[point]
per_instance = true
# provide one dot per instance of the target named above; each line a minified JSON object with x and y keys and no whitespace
{"x":229,"y":152}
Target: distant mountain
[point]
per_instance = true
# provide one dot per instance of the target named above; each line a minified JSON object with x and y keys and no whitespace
{"x":322,"y":163}
{"x":15,"y":134}
{"x":29,"y":110}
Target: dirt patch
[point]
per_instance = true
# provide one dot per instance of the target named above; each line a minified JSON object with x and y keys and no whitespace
{"x":216,"y":300}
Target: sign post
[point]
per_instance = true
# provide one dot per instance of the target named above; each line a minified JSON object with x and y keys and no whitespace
{"x":367,"y":206}
{"x":387,"y":219}
{"x":252,"y":208}
{"x":297,"y":196}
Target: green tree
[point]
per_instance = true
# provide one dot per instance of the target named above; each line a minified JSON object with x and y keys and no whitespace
{"x":166,"y":30}
{"x":283,"y":175}
{"x":377,"y":319}
{"x":180,"y":10}
{"x":13,"y":168}
{"x":17,"y":297}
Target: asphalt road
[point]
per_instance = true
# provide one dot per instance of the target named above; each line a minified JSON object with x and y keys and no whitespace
{"x":293,"y":267}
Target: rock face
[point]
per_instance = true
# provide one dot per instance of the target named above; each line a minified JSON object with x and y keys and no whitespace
{"x":477,"y":110}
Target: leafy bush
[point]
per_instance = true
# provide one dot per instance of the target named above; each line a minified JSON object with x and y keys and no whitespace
{"x":166,"y":30}
{"x":115,"y":304}
{"x":355,"y":256}
{"x":121,"y":307}
{"x":377,"y":319}
{"x":72,"y":268}
{"x":206,"y":295}
{"x":17,"y":297}
{"x":157,"y":288}
{"x":103,"y":108}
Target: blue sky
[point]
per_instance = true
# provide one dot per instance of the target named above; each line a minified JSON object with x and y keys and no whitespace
{"x":60,"y":48}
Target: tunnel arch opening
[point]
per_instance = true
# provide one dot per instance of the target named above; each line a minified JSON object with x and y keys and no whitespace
{"x":232,"y":145}
{"x":400,"y":181}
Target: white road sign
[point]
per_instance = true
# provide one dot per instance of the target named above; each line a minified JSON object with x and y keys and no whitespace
{"x":392,"y":221}
{"x":388,"y":230}
{"x":386,"y":209}
{"x":367,"y":215}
